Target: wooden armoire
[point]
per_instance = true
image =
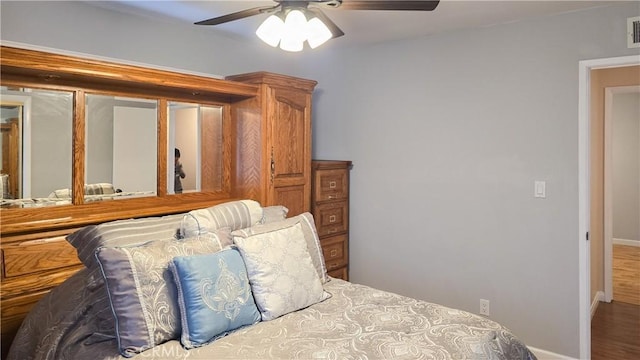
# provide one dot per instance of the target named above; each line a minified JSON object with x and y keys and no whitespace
{"x":274,"y":138}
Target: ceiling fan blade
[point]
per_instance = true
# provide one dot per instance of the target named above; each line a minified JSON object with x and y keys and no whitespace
{"x":335,"y":30}
{"x":388,"y":5}
{"x":237,"y":15}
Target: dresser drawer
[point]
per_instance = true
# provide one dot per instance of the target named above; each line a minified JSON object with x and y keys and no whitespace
{"x":339,"y":274}
{"x":335,"y":251}
{"x":331,"y":218}
{"x":331,"y":185}
{"x":38,"y":255}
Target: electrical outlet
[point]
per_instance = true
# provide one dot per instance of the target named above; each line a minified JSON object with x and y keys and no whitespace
{"x":484,"y":307}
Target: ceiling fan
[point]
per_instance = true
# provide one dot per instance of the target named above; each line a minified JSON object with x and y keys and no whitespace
{"x":294,"y":21}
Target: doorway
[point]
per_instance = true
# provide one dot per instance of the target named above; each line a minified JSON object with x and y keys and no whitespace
{"x":588,"y":230}
{"x":621,"y":192}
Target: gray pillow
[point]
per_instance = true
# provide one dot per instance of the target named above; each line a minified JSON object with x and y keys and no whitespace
{"x":274,"y":213}
{"x":142,"y":292}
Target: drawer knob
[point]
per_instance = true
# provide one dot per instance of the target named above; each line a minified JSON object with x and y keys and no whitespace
{"x":332,"y":184}
{"x":332,"y":218}
{"x":331,"y":231}
{"x":333,"y":253}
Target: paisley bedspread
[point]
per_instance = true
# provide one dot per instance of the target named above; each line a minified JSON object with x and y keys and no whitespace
{"x":357,"y":322}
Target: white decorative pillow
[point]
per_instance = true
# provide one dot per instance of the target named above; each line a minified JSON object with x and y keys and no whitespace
{"x":281,"y":274}
{"x":310,"y":236}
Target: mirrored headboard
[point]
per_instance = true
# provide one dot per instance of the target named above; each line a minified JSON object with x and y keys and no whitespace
{"x":77,"y":132}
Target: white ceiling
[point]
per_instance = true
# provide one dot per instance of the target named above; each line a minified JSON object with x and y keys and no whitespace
{"x":360,"y":27}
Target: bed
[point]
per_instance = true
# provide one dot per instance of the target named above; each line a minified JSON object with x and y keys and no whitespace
{"x":236,"y":281}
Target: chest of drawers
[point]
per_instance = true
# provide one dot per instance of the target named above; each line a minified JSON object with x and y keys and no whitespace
{"x":330,"y":209}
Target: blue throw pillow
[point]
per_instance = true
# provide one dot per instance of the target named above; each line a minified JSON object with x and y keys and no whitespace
{"x":214,"y":296}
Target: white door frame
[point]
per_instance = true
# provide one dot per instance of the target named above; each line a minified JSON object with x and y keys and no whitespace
{"x":608,"y":184}
{"x":584,"y":279}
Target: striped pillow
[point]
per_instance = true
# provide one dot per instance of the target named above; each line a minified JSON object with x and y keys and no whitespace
{"x":99,"y":189}
{"x":233,"y":215}
{"x":122,"y":233}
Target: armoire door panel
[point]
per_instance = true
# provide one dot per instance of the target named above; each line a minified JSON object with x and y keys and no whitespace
{"x":290,"y":133}
{"x":293,"y":197}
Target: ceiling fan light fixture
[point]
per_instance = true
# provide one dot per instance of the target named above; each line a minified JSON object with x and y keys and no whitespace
{"x":317,"y":33}
{"x":294,"y":32}
{"x":271,"y":30}
{"x":291,"y":42}
{"x":290,"y":29}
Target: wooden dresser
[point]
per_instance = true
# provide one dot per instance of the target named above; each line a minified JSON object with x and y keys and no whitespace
{"x":330,"y":209}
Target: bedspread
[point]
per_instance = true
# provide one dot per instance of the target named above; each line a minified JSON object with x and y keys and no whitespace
{"x":357,"y":322}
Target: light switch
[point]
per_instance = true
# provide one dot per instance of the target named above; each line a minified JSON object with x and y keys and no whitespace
{"x":540,"y":189}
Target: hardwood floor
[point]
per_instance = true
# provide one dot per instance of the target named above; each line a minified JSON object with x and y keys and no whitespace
{"x":615,"y":332}
{"x":615,"y":327}
{"x":626,"y":274}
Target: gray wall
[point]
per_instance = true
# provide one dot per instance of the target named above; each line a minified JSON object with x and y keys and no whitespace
{"x":626,"y":166}
{"x":51,"y":133}
{"x":76,"y":26}
{"x":99,"y":128}
{"x":447,"y":134}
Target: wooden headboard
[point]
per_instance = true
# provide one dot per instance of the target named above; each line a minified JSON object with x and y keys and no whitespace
{"x":258,"y":162}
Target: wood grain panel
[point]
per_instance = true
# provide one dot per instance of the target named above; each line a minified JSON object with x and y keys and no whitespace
{"x":38,"y":255}
{"x":55,"y":68}
{"x":275,"y":80}
{"x":339,"y":273}
{"x":78,"y":146}
{"x":35,"y":283}
{"x":335,"y":251}
{"x":331,"y":185}
{"x":212,"y":148}
{"x":21,"y":221}
{"x":162,"y":151}
{"x":292,"y":197}
{"x":289,"y":133}
{"x":626,"y":274}
{"x":251,"y":172}
{"x":331,"y":218}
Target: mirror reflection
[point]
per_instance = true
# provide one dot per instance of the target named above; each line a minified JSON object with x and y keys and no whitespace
{"x":121,"y":147}
{"x":195,"y":149}
{"x":36,"y":146}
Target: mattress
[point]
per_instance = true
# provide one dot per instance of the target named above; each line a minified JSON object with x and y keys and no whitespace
{"x":356,"y":322}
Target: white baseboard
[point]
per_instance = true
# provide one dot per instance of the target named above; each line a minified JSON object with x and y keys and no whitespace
{"x":548,"y":355}
{"x":596,"y":300}
{"x":626,"y":242}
